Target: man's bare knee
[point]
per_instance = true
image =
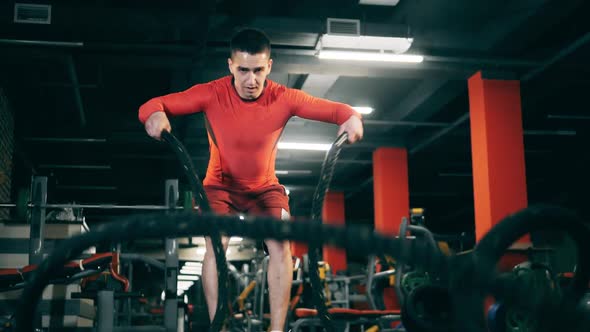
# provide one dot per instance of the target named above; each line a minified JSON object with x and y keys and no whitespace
{"x":278,"y":249}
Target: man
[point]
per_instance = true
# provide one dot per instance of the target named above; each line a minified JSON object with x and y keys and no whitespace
{"x":245,"y":114}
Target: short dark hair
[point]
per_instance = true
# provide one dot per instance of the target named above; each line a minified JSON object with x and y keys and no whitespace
{"x":251,"y":41}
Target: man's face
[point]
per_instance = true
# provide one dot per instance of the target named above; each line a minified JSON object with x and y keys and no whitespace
{"x":249,"y":71}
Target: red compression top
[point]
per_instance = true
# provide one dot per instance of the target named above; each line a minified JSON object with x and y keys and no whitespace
{"x":243,"y":135}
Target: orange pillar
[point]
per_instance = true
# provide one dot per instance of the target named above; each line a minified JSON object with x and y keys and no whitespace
{"x":333,"y":214}
{"x":392,"y":198}
{"x":390,"y":185}
{"x":497,"y":147}
{"x":298,"y":249}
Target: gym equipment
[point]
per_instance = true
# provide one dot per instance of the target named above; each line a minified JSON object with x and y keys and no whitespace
{"x":543,"y":287}
{"x":420,"y":276}
{"x":90,"y":206}
{"x":518,"y":320}
{"x":23,"y":197}
{"x":341,"y":316}
{"x":243,"y":315}
{"x":522,"y":292}
{"x":39,"y":234}
{"x":471,"y":276}
{"x":512,"y":292}
{"x":39,"y":206}
{"x":425,"y":299}
{"x":413,"y":280}
{"x":417,"y":217}
{"x":496,"y":318}
{"x":13,"y":279}
{"x":428,"y":308}
{"x":244,"y":294}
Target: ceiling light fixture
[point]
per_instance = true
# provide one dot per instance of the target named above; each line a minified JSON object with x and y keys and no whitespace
{"x":293,"y":172}
{"x":369,"y":56}
{"x":303,"y":146}
{"x":379,"y":2}
{"x":344,"y":42}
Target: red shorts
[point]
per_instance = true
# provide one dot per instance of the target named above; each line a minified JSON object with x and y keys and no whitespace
{"x":266,"y":201}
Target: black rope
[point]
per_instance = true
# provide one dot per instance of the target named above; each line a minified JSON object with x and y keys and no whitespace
{"x":158,"y":225}
{"x":326,"y":174}
{"x":316,"y":215}
{"x":203,"y":205}
{"x":471,"y":274}
{"x":492,"y":247}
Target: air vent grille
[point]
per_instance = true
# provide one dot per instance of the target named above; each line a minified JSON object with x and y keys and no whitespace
{"x":338,"y":26}
{"x":32,"y":13}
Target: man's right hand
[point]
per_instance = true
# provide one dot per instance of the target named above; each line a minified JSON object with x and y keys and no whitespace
{"x":156,"y":123}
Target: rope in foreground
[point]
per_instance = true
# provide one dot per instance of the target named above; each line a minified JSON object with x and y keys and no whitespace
{"x":203,"y":204}
{"x":326,"y":174}
{"x":471,"y":275}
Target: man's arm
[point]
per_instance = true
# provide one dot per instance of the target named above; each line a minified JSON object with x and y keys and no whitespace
{"x":306,"y":106}
{"x":192,"y":100}
{"x":153,"y":114}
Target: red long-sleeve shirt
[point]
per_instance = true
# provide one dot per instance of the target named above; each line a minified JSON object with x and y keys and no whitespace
{"x":243,"y":135}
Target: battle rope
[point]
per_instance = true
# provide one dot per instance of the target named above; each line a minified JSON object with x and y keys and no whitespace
{"x":316,"y":216}
{"x":493,"y":246}
{"x":326,"y":176}
{"x":203,"y":205}
{"x":472,"y":274}
{"x":182,"y":225}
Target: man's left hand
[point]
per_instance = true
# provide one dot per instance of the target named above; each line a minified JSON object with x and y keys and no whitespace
{"x":353,"y":127}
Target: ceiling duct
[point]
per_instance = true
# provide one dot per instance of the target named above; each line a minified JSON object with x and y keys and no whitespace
{"x":344,"y":27}
{"x":32,"y":13}
{"x":345,"y":34}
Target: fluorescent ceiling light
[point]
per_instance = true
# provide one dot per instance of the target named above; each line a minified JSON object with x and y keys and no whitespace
{"x":304,"y":146}
{"x":369,"y":56}
{"x":188,"y":277}
{"x":293,"y":172}
{"x":379,"y":2}
{"x":395,"y":45}
{"x":363,"y":109}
